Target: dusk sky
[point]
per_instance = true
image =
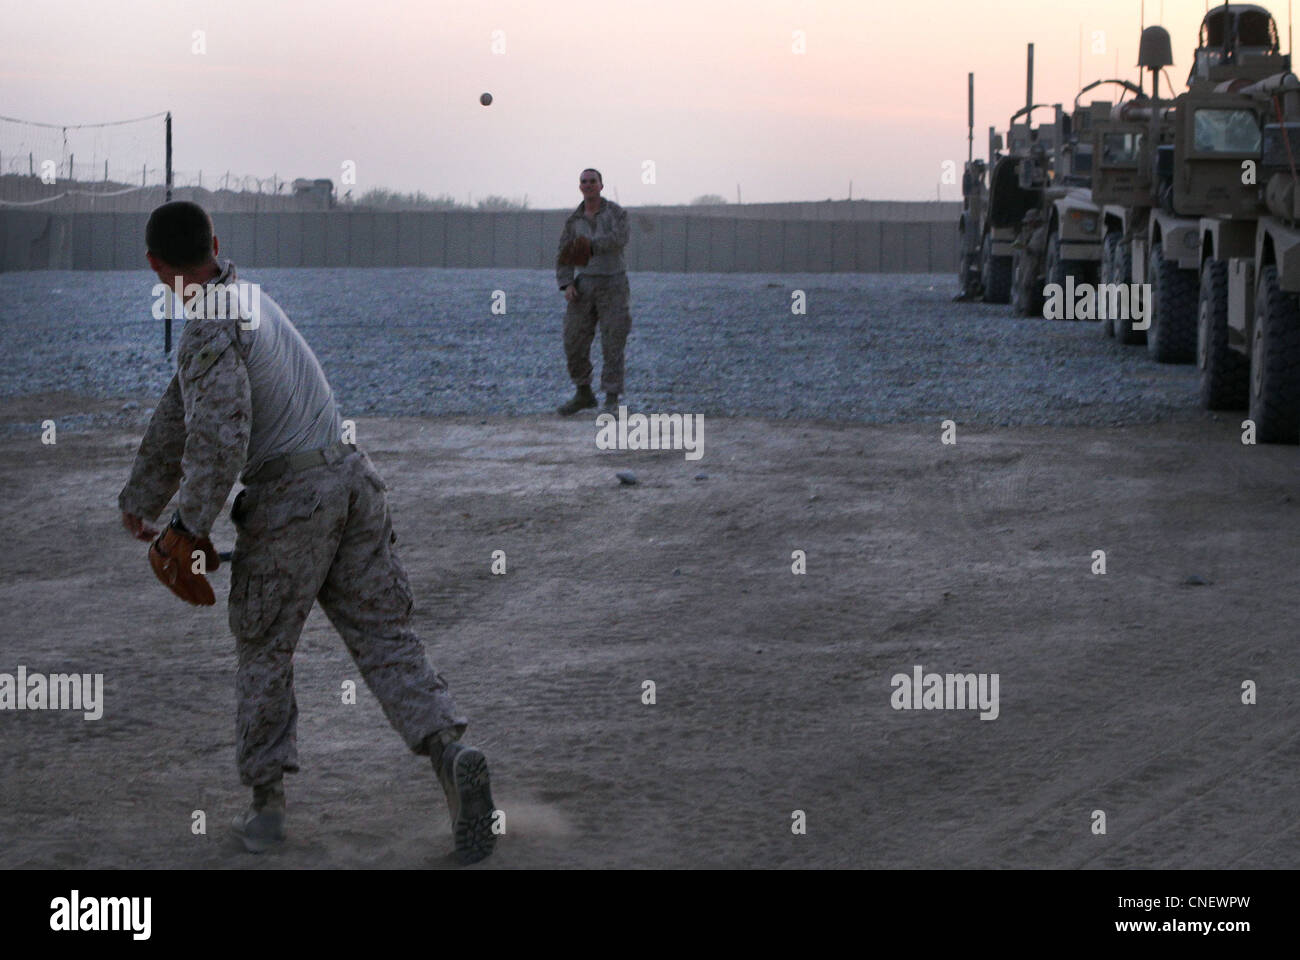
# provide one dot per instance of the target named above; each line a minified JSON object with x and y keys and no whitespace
{"x":710,"y":91}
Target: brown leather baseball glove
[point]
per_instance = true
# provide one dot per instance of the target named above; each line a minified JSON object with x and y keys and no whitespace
{"x":175,"y":555}
{"x":577,"y":253}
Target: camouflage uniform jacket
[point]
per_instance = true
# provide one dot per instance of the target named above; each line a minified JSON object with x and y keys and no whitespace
{"x":607,"y":242}
{"x":197,"y":441}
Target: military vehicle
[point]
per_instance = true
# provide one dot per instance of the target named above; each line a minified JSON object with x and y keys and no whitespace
{"x":1027,"y":217}
{"x":1160,"y":170}
{"x":1017,"y":182}
{"x":994,"y":203}
{"x":1060,"y":237}
{"x":990,"y":218}
{"x":1242,"y":139}
{"x":1147,"y":238}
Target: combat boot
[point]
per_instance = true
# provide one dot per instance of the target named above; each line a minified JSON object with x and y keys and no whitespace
{"x":582,"y":400}
{"x":463,"y":773}
{"x":261,"y":826}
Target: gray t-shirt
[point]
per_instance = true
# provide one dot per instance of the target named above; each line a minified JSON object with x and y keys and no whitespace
{"x":293,"y":406}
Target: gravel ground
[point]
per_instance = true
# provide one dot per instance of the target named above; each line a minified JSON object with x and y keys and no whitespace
{"x":400,"y":342}
{"x":1120,"y":691}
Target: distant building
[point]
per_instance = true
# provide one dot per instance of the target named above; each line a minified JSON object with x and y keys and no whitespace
{"x":314,"y":194}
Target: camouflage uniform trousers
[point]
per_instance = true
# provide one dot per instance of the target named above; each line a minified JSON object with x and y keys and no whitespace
{"x":324,"y":534}
{"x":603,"y":301}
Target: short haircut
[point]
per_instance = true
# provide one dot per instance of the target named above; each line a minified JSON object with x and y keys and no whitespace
{"x":179,"y":234}
{"x":595,"y":171}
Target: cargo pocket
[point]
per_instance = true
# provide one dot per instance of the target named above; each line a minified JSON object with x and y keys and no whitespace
{"x":296,"y":505}
{"x":260,"y":511}
{"x":255,"y":599}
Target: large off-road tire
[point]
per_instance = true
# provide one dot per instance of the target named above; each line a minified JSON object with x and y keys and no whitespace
{"x":1026,"y":291}
{"x":1122,"y":270}
{"x":1174,"y":293}
{"x":1058,"y":270}
{"x":966,"y":289}
{"x":1225,"y":374}
{"x":1054,"y":269}
{"x":1109,"y":251}
{"x":1275,"y":362}
{"x":995,"y":274}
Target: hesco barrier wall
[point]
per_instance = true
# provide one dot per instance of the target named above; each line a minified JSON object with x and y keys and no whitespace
{"x":31,"y":240}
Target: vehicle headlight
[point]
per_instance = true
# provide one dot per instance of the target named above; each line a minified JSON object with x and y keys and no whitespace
{"x":1084,"y":221}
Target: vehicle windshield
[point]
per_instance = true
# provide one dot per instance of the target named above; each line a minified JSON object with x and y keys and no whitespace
{"x":1226,"y":131}
{"x":1120,"y":149}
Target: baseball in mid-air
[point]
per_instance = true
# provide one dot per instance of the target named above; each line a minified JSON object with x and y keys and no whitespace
{"x":485,"y":99}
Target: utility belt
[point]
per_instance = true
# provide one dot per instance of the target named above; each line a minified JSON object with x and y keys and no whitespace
{"x":294,"y":462}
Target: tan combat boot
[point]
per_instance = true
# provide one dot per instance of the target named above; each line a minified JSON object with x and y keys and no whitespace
{"x":261,"y":826}
{"x":582,"y":399}
{"x":463,"y":773}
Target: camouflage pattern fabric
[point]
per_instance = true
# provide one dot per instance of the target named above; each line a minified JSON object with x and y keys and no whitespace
{"x":608,"y":233}
{"x":197,"y":441}
{"x":601,"y":301}
{"x":323,"y":534}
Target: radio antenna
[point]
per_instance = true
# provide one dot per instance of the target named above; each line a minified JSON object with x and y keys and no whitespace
{"x":970,"y":117}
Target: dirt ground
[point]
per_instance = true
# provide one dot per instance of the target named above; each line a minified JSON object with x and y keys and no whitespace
{"x":1119,"y":692}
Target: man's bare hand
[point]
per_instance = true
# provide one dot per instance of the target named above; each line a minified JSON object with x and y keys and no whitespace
{"x":571,"y":293}
{"x":138,"y":528}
